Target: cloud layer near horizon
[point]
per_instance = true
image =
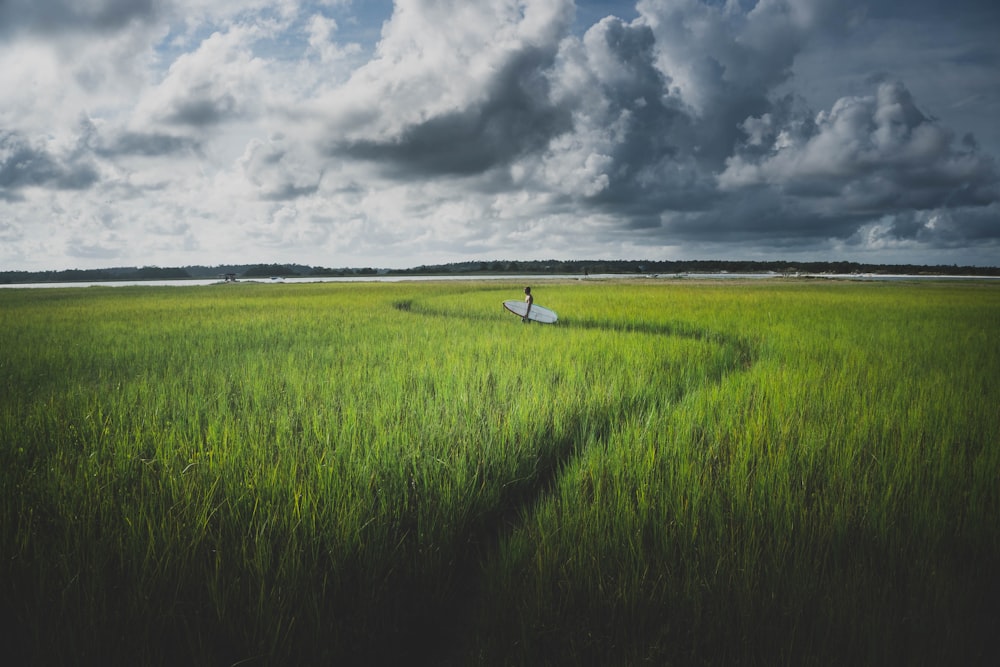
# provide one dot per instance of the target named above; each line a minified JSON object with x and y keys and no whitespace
{"x":196,"y":131}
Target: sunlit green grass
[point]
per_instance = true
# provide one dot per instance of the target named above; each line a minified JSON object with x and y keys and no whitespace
{"x":756,"y":473}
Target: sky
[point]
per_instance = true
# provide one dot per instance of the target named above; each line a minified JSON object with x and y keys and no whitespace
{"x":370,"y":133}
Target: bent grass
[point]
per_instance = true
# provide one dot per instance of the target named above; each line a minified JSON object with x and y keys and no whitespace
{"x":774,"y":472}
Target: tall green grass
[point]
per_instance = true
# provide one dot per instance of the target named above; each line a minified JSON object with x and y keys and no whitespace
{"x":762,"y":473}
{"x":836,"y":503}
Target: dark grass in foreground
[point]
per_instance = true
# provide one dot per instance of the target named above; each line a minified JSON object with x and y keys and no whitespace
{"x":767,"y":473}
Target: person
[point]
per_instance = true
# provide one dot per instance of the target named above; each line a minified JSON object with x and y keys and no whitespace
{"x":528,"y":299}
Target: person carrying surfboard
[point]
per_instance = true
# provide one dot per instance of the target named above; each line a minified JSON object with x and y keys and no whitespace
{"x":528,"y":311}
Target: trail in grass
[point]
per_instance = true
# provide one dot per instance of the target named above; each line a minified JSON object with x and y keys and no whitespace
{"x":451,"y":643}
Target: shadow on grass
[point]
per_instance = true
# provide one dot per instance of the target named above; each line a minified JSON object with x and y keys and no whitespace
{"x":448,"y":639}
{"x":415,"y":610}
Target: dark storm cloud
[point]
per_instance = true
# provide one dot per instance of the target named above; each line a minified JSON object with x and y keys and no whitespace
{"x":516,"y":117}
{"x":54,"y":16}
{"x":24,"y":164}
{"x":670,"y":112}
{"x":942,"y":228}
{"x":713,"y":152}
{"x":110,"y":144}
{"x":150,"y":144}
{"x":673,"y":125}
{"x":875,"y":154}
{"x":202,"y":109}
{"x":661,"y":151}
{"x":968,"y":10}
{"x":475,"y":127}
{"x":762,"y":217}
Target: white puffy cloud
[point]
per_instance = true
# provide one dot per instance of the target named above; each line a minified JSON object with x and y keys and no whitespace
{"x":218,"y":82}
{"x":454,"y":87}
{"x":279,"y":170}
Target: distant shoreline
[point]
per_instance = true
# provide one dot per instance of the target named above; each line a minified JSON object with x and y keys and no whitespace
{"x":520,"y":278}
{"x":492,"y":270}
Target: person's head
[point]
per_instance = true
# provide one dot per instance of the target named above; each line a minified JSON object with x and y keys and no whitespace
{"x":527,"y":290}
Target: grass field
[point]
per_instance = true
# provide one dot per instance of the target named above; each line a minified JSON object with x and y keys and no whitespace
{"x":771,"y":473}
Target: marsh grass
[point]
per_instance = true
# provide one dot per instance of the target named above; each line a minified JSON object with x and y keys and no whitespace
{"x":836,"y":503}
{"x":763,"y":473}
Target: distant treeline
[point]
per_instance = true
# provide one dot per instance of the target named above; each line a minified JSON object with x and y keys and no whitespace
{"x":694,"y":266}
{"x":178,"y":273}
{"x":540,"y":267}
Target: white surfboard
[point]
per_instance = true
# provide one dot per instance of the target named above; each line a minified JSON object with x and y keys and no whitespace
{"x":538,"y":314}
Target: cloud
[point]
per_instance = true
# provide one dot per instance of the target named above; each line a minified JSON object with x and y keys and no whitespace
{"x":455,"y":88}
{"x":872,"y":155}
{"x":676,"y":125}
{"x":515,"y":117}
{"x":680,"y":131}
{"x":631,"y":149}
{"x":280,"y":170}
{"x":259,"y":129}
{"x":217,"y":82}
{"x":25,"y":163}
{"x":146,"y":144}
{"x":940,"y":229}
{"x":54,"y":16}
{"x":109,"y":141}
{"x":657,"y":102}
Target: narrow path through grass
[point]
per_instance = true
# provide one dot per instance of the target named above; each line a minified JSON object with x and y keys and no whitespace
{"x":775,"y":472}
{"x":450,"y":641}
